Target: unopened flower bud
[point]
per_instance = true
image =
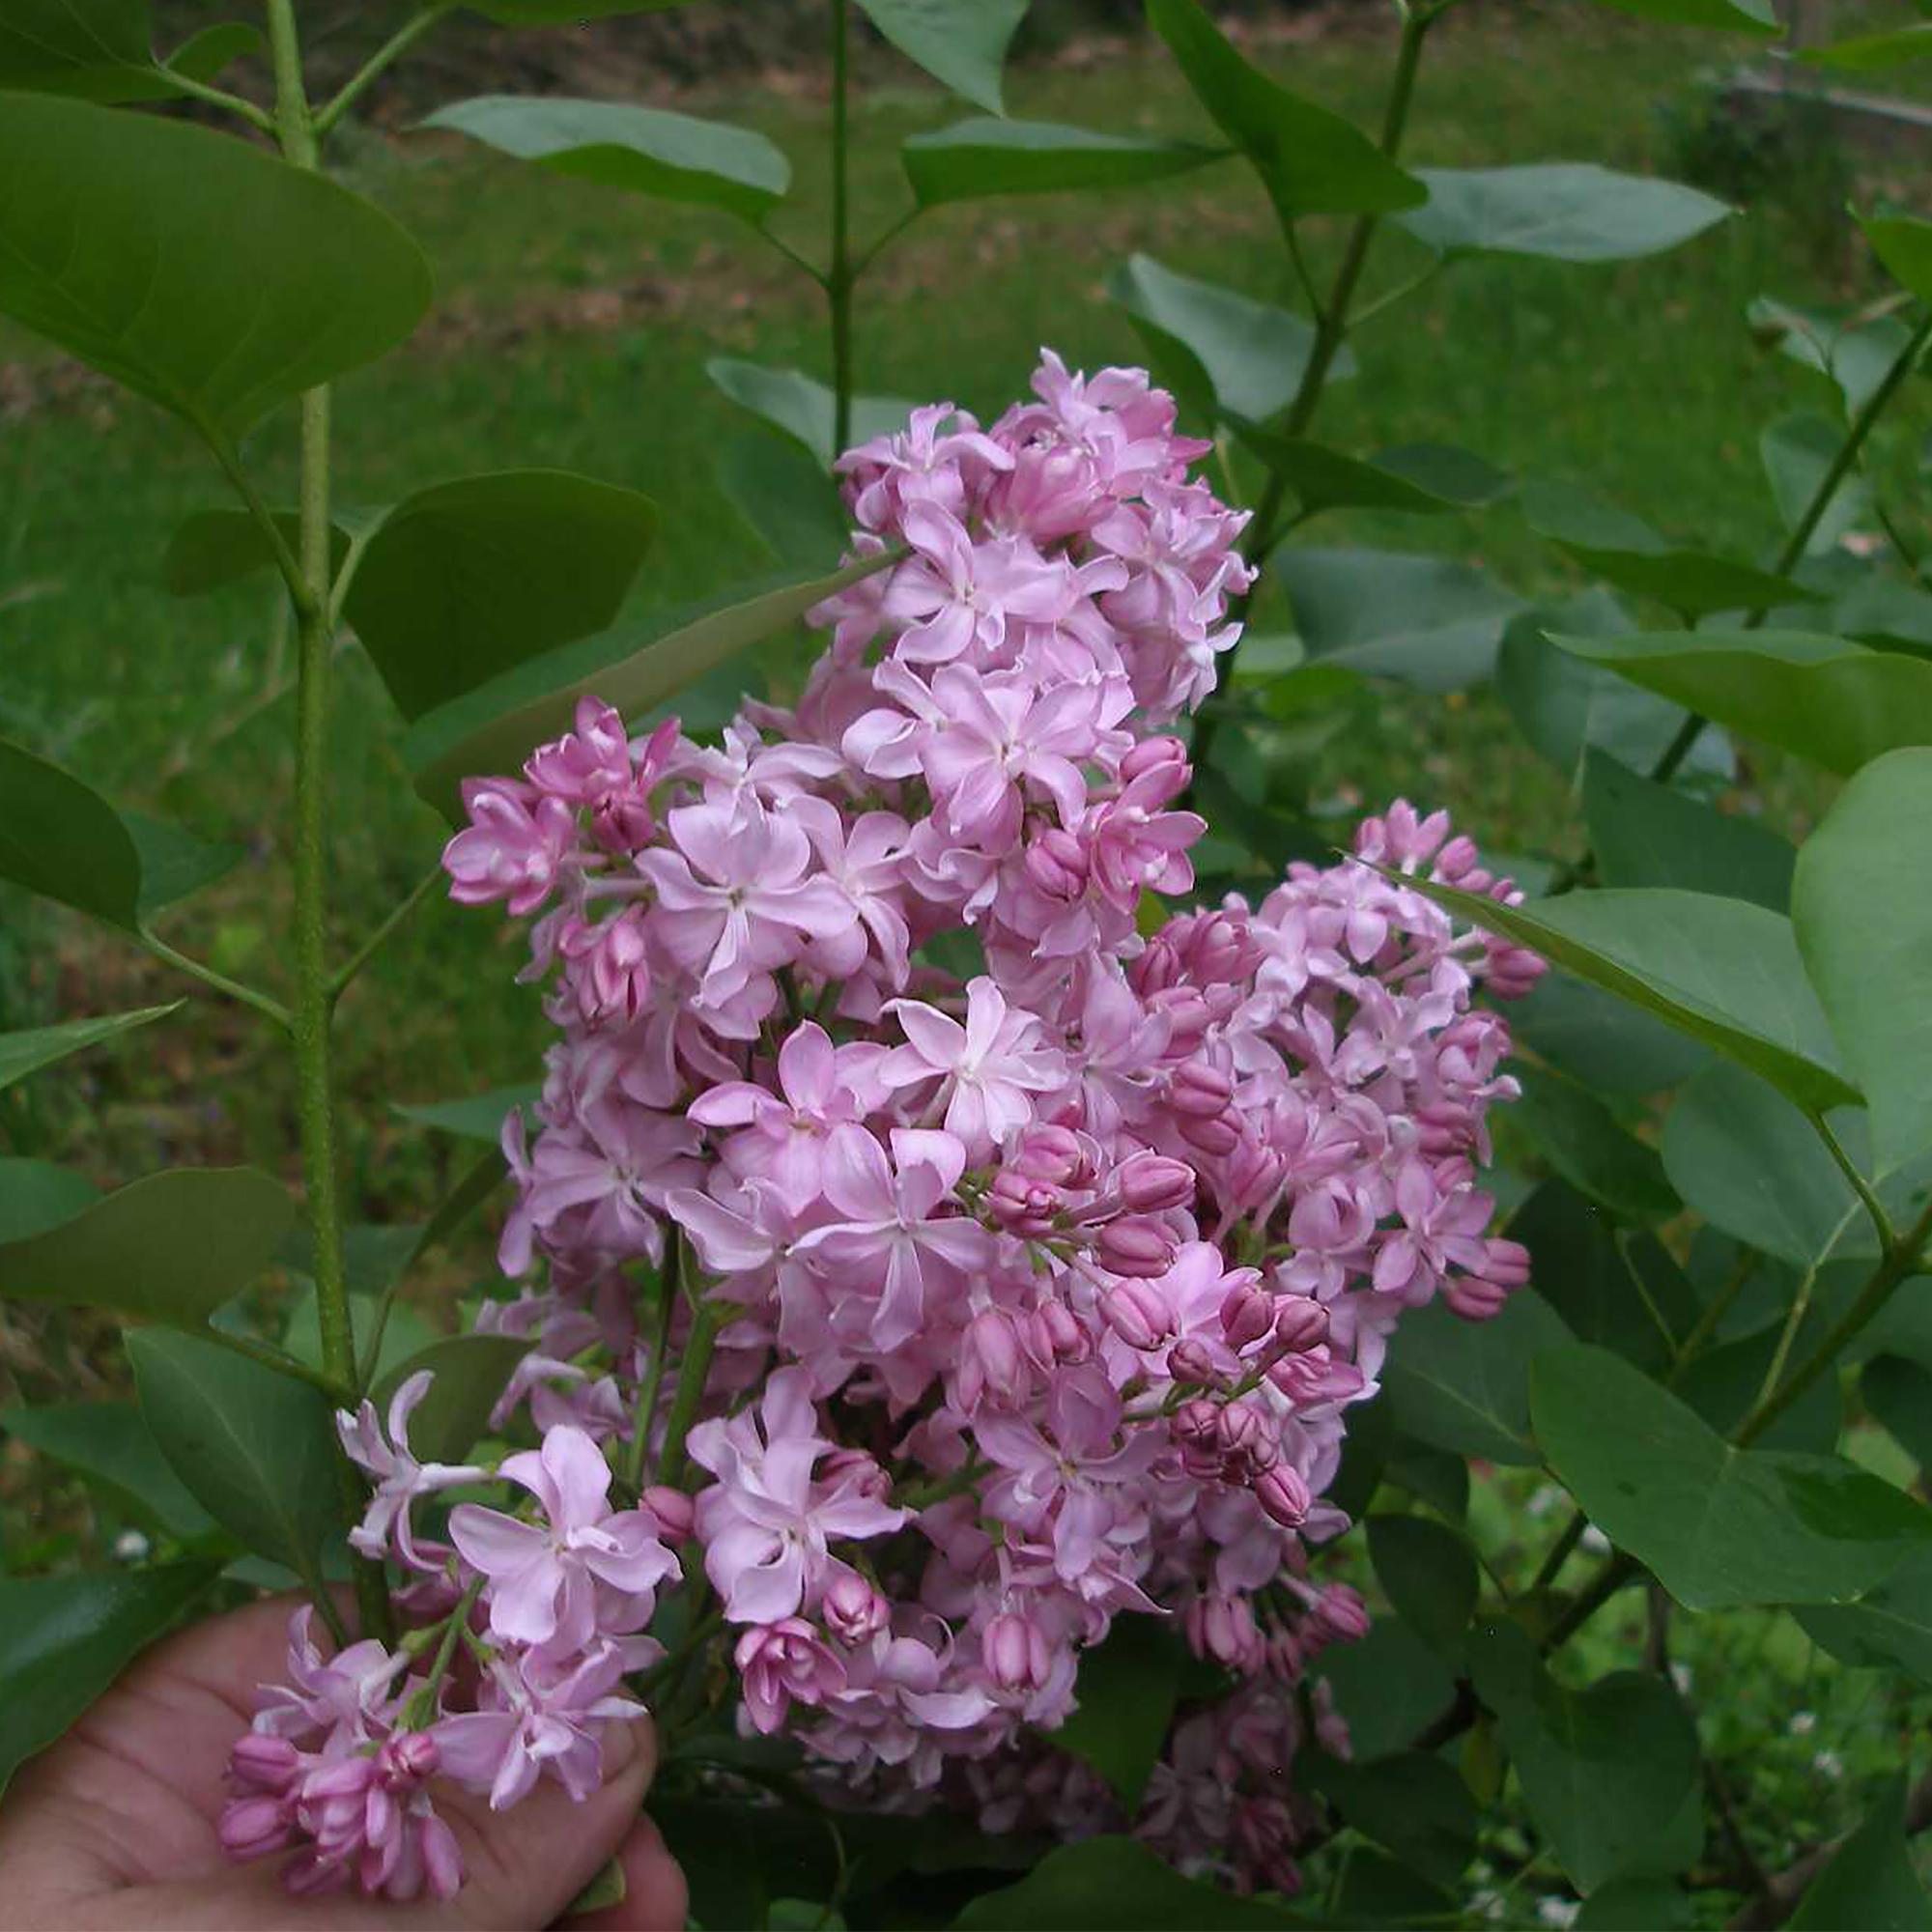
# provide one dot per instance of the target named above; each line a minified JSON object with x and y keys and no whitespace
{"x":1058,"y":1336}
{"x":1152,"y":1183}
{"x":1284,"y":1496}
{"x":253,"y":1827}
{"x":1050,"y":1155}
{"x":259,"y":1762}
{"x":1456,"y":858}
{"x":1216,"y":1135}
{"x":675,"y":1512}
{"x":1247,"y":1312}
{"x":1223,"y":1626}
{"x":1255,"y":1174}
{"x":1188,"y":1361}
{"x":1218,"y":950}
{"x":1339,"y":1613}
{"x":1136,"y":1246}
{"x":1016,"y":1653}
{"x":1475,"y":1300}
{"x":1057,"y":864}
{"x":1196,"y":1430}
{"x":1157,"y":969}
{"x":1507,"y":1263}
{"x":857,"y":1473}
{"x":1138,"y":1313}
{"x":991,"y":1364}
{"x":1149,"y":754}
{"x":852,"y":1609}
{"x":1300,"y":1323}
{"x":1200,"y":1089}
{"x":1021,"y":1206}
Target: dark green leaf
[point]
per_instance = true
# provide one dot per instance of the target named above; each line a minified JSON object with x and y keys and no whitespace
{"x":1904,"y":246}
{"x":109,"y":1444}
{"x":1898,"y":1393}
{"x":1738,"y":16}
{"x":1388,"y":1688}
{"x":960,"y":42}
{"x":1376,"y":1892}
{"x":472,"y":1372}
{"x":804,"y":409}
{"x":1223,"y":354}
{"x":1581,"y":1139}
{"x":1655,"y":1903}
{"x":1832,"y":701}
{"x":1422,"y":620}
{"x":213,"y":548}
{"x":1890,"y":1628}
{"x":62,"y":840}
{"x":1862,"y":908}
{"x":787,"y":498}
{"x":1432,"y":1476}
{"x":65,"y":1640}
{"x":643,"y":149}
{"x":1724,"y":971}
{"x":1414,"y":1804}
{"x":1116,"y":1885}
{"x":565,"y":13}
{"x":1797,"y":451}
{"x":976,"y":158}
{"x":1428,"y":1573}
{"x":1463,"y":1385}
{"x":255,"y":1448}
{"x":197,"y":269}
{"x":1717,"y":1527}
{"x":478,"y":1118}
{"x":1873,"y":53}
{"x":36,"y":1195}
{"x":25,"y":1053}
{"x":1310,"y":161}
{"x":170,"y":1248}
{"x":1649,"y":834}
{"x":85,"y":47}
{"x":1605,"y":1771}
{"x":1561,"y":210}
{"x":1607,"y":1043}
{"x":1365,"y":1454}
{"x":1127,"y":1687}
{"x":1871,"y":1881}
{"x":496,"y":728}
{"x":1723,"y":1385}
{"x":1422,"y":481}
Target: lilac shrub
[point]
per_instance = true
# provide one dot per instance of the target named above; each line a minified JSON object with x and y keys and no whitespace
{"x":898,"y":1325}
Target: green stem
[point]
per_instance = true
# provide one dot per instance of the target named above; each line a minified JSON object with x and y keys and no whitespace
{"x":839,"y":276}
{"x":339,"y":983}
{"x":220,"y":983}
{"x":219,"y":96}
{"x":314,"y":998}
{"x":1559,"y":1551}
{"x":1888,"y":1235}
{"x":691,"y":1373}
{"x":654,"y":1374}
{"x":300,"y":595}
{"x":385,"y":56}
{"x":1862,"y":424}
{"x":283,"y":1365}
{"x":423,"y":1706}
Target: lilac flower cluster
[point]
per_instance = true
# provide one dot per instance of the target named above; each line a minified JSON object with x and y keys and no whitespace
{"x":989,"y":1306}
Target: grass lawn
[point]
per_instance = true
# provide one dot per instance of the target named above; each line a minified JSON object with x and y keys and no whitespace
{"x":572,"y":330}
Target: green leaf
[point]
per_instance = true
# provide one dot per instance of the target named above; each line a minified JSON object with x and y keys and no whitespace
{"x":1624,"y":550}
{"x":36,"y":1195}
{"x":1609,"y":1046}
{"x":1854,"y":354}
{"x":1649,"y":834}
{"x":1797,"y":451}
{"x":1888,"y":1628}
{"x":1905,"y":247}
{"x":1871,"y":1881}
{"x":170,"y":1248}
{"x":100,"y":51}
{"x":1429,"y":1574}
{"x":790,"y":503}
{"x":1581,"y":1139}
{"x":472,"y":1372}
{"x":213,"y":548}
{"x":25,"y":1053}
{"x":1425,"y":621}
{"x":1127,"y":1688}
{"x":1463,"y":1385}
{"x":1222,"y":353}
{"x":1898,"y":1393}
{"x":1717,"y":1527}
{"x":62,"y":840}
{"x":1420,"y":481}
{"x":1389,"y":1688}
{"x":1723,"y":970}
{"x":255,"y":1448}
{"x":564,"y":13}
{"x":496,"y":728}
{"x":479,"y":1117}
{"x":1738,"y":16}
{"x":1723,"y":1385}
{"x":1411,"y":1803}
{"x":194,"y":268}
{"x":1873,"y":53}
{"x":1605,"y":1771}
{"x":1559,"y":211}
{"x":109,"y":1444}
{"x":1564,"y":706}
{"x":1310,"y":161}
{"x":645,"y":150}
{"x":1862,"y":909}
{"x":804,"y":409}
{"x":978,"y":157}
{"x":1365,"y":1454}
{"x":962,"y":44}
{"x":65,"y":1640}
{"x":1431,"y":1475}
{"x":1116,"y":1885}
{"x":1835,"y":702}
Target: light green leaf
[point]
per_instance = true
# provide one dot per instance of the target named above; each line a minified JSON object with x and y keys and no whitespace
{"x":960,"y":42}
{"x":646,"y":151}
{"x":791,"y":505}
{"x":195,"y":269}
{"x":470,"y":1372}
{"x":1871,"y":1881}
{"x":1723,"y":970}
{"x":1127,"y":1687}
{"x":1421,"y":481}
{"x":479,"y":1117}
{"x":36,"y":1195}
{"x":496,"y":728}
{"x":1862,"y":909}
{"x":1738,"y":17}
{"x":62,"y":840}
{"x":1904,"y":246}
{"x":1425,"y":621}
{"x":1462,"y":1385}
{"x":1873,"y":53}
{"x":25,"y":1053}
{"x":1222,"y":353}
{"x":1649,"y":834}
{"x":1796,"y":451}
{"x":1832,"y":701}
{"x":976,"y":158}
{"x":1117,"y":1885}
{"x":255,"y":1448}
{"x":1604,"y":1042}
{"x":1717,"y":1527}
{"x":1560,"y":211}
{"x":170,"y":1248}
{"x":1310,"y":161}
{"x":797,"y":406}
{"x":65,"y":1640}
{"x":1851,"y":353}
{"x":1428,"y":1574}
{"x":109,"y":1444}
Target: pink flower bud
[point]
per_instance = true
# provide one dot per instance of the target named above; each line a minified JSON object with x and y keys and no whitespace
{"x":857,"y":1473}
{"x":258,"y":1762}
{"x":1058,"y":1336}
{"x":1152,"y":1184}
{"x":1136,"y":1246}
{"x":675,"y":1513}
{"x":1475,"y":1300}
{"x":622,"y":823}
{"x":1057,"y":864}
{"x":1456,"y":858}
{"x":253,"y":1827}
{"x":1024,"y":1207}
{"x":1284,"y":1496}
{"x":1218,"y":1135}
{"x":1300,"y":1323}
{"x":991,"y":1363}
{"x":1199,"y":1088}
{"x":1283,"y":1658}
{"x":1016,"y":1653}
{"x":1255,"y":1174}
{"x":852,"y":1609}
{"x":1507,"y":1263}
{"x":1138,"y":1313}
{"x":1157,"y":969}
{"x":1149,"y":754}
{"x":1187,"y":1016}
{"x":405,"y":1760}
{"x":442,"y":1857}
{"x":1247,"y":1313}
{"x":1219,"y":950}
{"x":1188,"y":1361}
{"x":1223,"y":1626}
{"x":1339,"y":1613}
{"x":1196,"y":1429}
{"x":1050,"y":1155}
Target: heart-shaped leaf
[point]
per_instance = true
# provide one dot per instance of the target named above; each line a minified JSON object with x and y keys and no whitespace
{"x":960,"y":42}
{"x":1871,"y":1879}
{"x":1649,"y":834}
{"x":1116,"y":1885}
{"x":1127,"y":1687}
{"x":1463,"y":1386}
{"x":1559,"y":211}
{"x":1428,"y":1574}
{"x":1420,"y":481}
{"x":1580,"y":1138}
{"x":1890,"y":1628}
{"x":470,"y":1373}
{"x":804,"y":409}
{"x":112,"y":1445}
{"x":479,"y":1117}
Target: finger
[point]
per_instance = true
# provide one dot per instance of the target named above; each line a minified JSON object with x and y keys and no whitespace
{"x":655,"y":1899}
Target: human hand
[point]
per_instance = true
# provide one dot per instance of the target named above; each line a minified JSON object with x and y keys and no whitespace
{"x":113,"y":1828}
